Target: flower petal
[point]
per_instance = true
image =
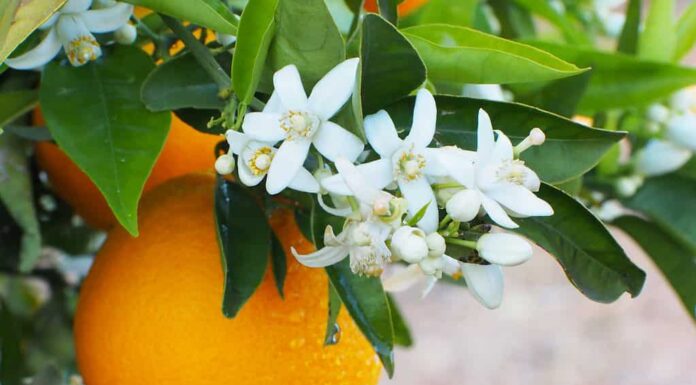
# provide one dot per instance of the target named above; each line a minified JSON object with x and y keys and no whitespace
{"x":505,"y":249}
{"x":288,"y":85}
{"x":304,"y":181}
{"x":79,"y":44}
{"x":286,"y":163}
{"x":430,"y":282}
{"x":381,"y":133}
{"x":246,"y":176}
{"x":335,"y":211}
{"x":274,"y":104}
{"x":502,"y":149}
{"x":237,"y":141}
{"x":484,"y":137}
{"x":75,"y":6}
{"x":378,"y":174}
{"x":333,"y":90}
{"x":263,"y":126}
{"x":323,"y":257}
{"x":519,"y":199}
{"x":458,"y":163}
{"x":357,"y":183}
{"x":433,"y":166}
{"x":39,"y":55}
{"x":450,"y":266}
{"x":107,"y":19}
{"x":424,"y":118}
{"x":485,"y":283}
{"x":418,"y":193}
{"x":334,"y":141}
{"x":403,"y":279}
{"x":496,"y":212}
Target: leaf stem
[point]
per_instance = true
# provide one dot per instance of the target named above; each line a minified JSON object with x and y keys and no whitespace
{"x":461,"y":242}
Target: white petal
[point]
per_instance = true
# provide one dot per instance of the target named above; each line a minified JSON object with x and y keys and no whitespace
{"x":418,"y":193}
{"x":661,"y":157}
{"x":450,"y":266}
{"x":485,"y":283}
{"x":237,"y":141}
{"x":246,"y":176}
{"x":403,"y":279}
{"x":107,"y":19}
{"x":357,"y":183}
{"x":263,"y":126}
{"x":424,"y":118}
{"x":682,"y":131}
{"x":50,"y":22}
{"x":459,"y":164}
{"x":286,"y":163}
{"x":496,"y":212}
{"x":381,"y":134}
{"x":334,"y":141}
{"x":288,"y":85}
{"x":502,"y":150}
{"x":304,"y":181}
{"x":429,"y":285}
{"x":274,"y":104}
{"x":76,"y":6}
{"x":326,"y":256}
{"x":378,"y":173}
{"x":504,"y":249}
{"x":433,"y":166}
{"x":39,"y":55}
{"x":484,"y":137}
{"x":333,"y":90}
{"x":335,"y":211}
{"x":79,"y":44}
{"x":519,"y":199}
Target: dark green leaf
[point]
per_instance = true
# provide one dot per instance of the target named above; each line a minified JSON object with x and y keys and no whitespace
{"x":387,"y":8}
{"x":402,"y":334}
{"x":48,"y":376}
{"x":675,"y":260}
{"x":95,"y":115}
{"x":14,"y":104}
{"x":11,"y":364}
{"x":244,"y":237}
{"x":560,"y":96}
{"x":27,"y":18}
{"x":686,"y":32}
{"x":515,"y":21}
{"x":314,"y":45}
{"x":591,"y":258}
{"x":670,"y":201}
{"x":621,"y":81}
{"x":628,"y":42}
{"x":658,"y":39}
{"x":463,"y":55}
{"x":29,"y":132}
{"x":212,"y":14}
{"x":16,"y":194}
{"x":333,"y":331}
{"x":256,"y":30}
{"x":180,"y":83}
{"x":279,"y":265}
{"x":391,"y":68}
{"x":572,"y":32}
{"x":565,"y":139}
{"x":198,"y":119}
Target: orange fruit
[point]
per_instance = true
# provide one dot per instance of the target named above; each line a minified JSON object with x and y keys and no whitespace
{"x":186,"y":150}
{"x":405,"y":8}
{"x":149,"y":311}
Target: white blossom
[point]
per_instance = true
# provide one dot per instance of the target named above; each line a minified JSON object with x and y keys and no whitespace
{"x":660,"y":157}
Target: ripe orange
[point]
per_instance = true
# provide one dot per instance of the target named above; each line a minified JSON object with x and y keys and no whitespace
{"x":186,"y":150}
{"x":405,"y":8}
{"x":150,"y":309}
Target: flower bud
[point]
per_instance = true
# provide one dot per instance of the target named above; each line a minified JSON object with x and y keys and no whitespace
{"x":627,"y":186}
{"x":683,"y":100}
{"x":537,"y":136}
{"x":224,"y":164}
{"x":658,"y":113}
{"x":126,"y":34}
{"x":660,"y":157}
{"x":436,"y":245}
{"x":224,"y":39}
{"x":409,"y":244}
{"x":464,"y":205}
{"x":504,"y":249}
{"x":682,"y":131}
{"x":432,"y":266}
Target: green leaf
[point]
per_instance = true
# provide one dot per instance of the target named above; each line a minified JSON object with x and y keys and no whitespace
{"x":559,"y":96}
{"x":212,"y":14}
{"x":333,"y":331}
{"x":180,"y":83}
{"x":256,"y":30}
{"x":670,"y":201}
{"x":199,"y":119}
{"x":244,"y":237}
{"x":387,"y":8}
{"x":14,"y":104}
{"x":622,"y":81}
{"x":675,"y":260}
{"x":459,"y":12}
{"x":16,"y":194}
{"x":514,"y":21}
{"x":628,"y":41}
{"x":7,"y":12}
{"x":419,"y":215}
{"x":402,"y":334}
{"x":314,"y":45}
{"x":463,"y":55}
{"x":368,"y":305}
{"x":28,"y":17}
{"x":11,"y":365}
{"x":591,"y":258}
{"x":279,"y":265}
{"x":565,"y":139}
{"x":391,"y":68}
{"x":572,"y":32}
{"x":657,"y":41}
{"x":686,"y":32}
{"x":95,"y":115}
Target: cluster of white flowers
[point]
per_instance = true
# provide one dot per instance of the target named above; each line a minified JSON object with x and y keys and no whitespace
{"x":392,"y":205}
{"x":72,"y":28}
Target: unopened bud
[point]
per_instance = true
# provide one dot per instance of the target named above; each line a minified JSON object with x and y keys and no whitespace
{"x":464,"y":205}
{"x":436,"y":245}
{"x":126,"y":34}
{"x":224,"y":164}
{"x":409,"y":244}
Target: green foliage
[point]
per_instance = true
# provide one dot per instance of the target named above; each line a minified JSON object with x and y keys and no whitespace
{"x":27,"y":18}
{"x":279,"y":265}
{"x":387,"y":8}
{"x":628,"y":42}
{"x":14,"y":104}
{"x":11,"y":364}
{"x":591,"y":258}
{"x":686,"y":32}
{"x":459,"y":13}
{"x":570,"y":29}
{"x":212,"y":14}
{"x":332,"y":329}
{"x":658,"y":40}
{"x":95,"y":115}
{"x":402,"y":333}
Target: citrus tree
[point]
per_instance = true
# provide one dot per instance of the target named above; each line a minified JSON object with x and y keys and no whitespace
{"x":298,"y":160}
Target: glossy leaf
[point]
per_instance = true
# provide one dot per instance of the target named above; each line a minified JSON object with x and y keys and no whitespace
{"x":315,"y":45}
{"x":391,"y":67}
{"x":670,"y":201}
{"x":559,"y":96}
{"x":565,"y":139}
{"x":11,"y":365}
{"x":463,"y":55}
{"x":279,"y":265}
{"x":514,"y":21}
{"x":593,"y":261}
{"x":571,"y":31}
{"x":658,"y":39}
{"x":460,"y":12}
{"x":244,"y":237}
{"x":333,"y":330}
{"x":675,"y":260}
{"x":14,"y":104}
{"x":621,"y":81}
{"x":212,"y":14}
{"x":387,"y":8}
{"x":628,"y":41}
{"x":256,"y":30}
{"x":95,"y":115}
{"x":180,"y":83}
{"x":28,"y":17}
{"x":686,"y":32}
{"x":17,"y":197}
{"x":402,"y":334}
